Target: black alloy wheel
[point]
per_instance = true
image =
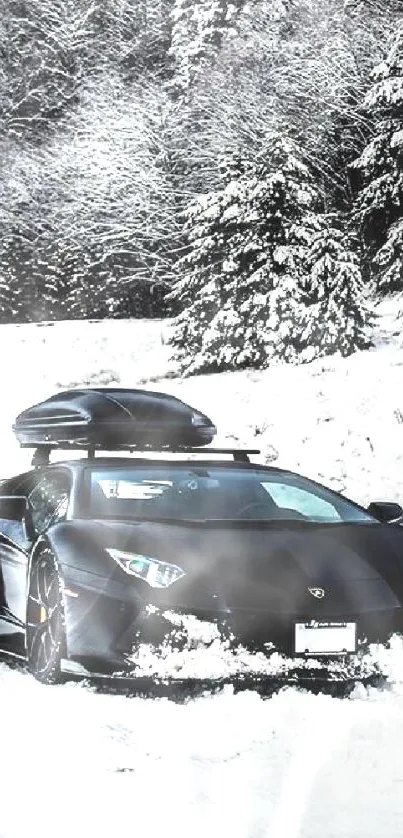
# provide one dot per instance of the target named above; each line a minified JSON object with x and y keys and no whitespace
{"x":45,"y":628}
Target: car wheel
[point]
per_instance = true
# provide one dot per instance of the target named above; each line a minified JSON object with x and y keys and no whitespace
{"x":45,"y":627}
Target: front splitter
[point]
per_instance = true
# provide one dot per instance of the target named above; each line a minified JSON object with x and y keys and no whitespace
{"x":184,"y":689}
{"x":181,"y":690}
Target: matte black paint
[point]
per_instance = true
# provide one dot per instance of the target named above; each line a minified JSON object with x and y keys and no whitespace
{"x":105,"y":416}
{"x":252,"y":579}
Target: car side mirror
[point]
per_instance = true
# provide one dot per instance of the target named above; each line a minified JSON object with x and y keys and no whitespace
{"x":386,"y":512}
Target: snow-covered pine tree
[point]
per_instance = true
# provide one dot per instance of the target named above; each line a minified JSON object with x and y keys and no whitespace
{"x":240,"y":281}
{"x":197,"y":30}
{"x":337,"y":316}
{"x":380,"y":200}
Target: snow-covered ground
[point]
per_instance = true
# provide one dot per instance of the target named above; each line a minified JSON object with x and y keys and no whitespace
{"x":74,"y":762}
{"x":338,"y":420}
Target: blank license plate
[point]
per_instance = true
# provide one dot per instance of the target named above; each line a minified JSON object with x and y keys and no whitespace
{"x":316,"y":638}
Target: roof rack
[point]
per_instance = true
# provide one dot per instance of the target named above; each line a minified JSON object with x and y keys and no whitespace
{"x":42,"y":453}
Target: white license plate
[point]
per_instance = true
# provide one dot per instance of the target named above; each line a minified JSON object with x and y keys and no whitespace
{"x":318,"y":638}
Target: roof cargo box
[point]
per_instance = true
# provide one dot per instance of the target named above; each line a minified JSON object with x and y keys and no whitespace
{"x":112,"y":419}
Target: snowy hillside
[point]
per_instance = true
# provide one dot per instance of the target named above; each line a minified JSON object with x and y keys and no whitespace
{"x":294,"y":766}
{"x":337,"y":420}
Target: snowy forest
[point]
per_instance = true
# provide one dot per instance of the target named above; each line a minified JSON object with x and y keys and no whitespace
{"x":237,"y":166}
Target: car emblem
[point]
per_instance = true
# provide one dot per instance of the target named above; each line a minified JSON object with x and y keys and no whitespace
{"x":318,"y":593}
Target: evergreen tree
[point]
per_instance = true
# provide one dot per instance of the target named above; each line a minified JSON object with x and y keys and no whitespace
{"x":380,"y":200}
{"x":241,"y":279}
{"x":336,"y":316}
{"x":197,"y":30}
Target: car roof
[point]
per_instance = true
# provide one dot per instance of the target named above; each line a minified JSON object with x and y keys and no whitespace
{"x":78,"y":465}
{"x":133,"y":462}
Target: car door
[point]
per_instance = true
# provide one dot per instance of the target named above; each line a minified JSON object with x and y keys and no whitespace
{"x":47,"y":498}
{"x":14,"y":551}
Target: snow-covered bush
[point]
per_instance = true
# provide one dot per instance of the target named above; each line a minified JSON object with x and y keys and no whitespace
{"x":90,"y":217}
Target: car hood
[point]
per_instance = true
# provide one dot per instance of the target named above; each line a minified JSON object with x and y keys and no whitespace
{"x":357,"y":566}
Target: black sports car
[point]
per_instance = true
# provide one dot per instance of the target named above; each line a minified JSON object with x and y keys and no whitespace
{"x":98,"y":554}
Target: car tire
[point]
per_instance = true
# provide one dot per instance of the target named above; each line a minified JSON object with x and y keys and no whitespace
{"x":45,"y":623}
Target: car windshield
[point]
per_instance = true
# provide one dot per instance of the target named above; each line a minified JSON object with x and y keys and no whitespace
{"x":213,"y":493}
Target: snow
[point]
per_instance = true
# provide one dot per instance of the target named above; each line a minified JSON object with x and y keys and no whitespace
{"x":297,"y":765}
{"x":337,"y":420}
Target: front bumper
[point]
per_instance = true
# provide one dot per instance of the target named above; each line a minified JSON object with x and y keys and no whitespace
{"x":253,"y":630}
{"x":106,"y":620}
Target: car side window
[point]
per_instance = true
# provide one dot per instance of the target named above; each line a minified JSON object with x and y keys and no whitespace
{"x":301,"y":501}
{"x":13,"y":530}
{"x":49,"y":500}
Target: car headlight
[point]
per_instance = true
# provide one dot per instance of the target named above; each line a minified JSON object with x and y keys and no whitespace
{"x":158,"y":574}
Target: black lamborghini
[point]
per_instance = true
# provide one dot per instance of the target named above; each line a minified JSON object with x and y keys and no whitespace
{"x":98,"y":554}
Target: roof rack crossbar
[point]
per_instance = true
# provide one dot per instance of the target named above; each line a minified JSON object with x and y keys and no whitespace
{"x":42,"y":452}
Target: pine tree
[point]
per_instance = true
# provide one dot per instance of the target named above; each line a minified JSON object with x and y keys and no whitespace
{"x":241,"y":280}
{"x":197,"y":30}
{"x":380,"y":201}
{"x":337,"y":318}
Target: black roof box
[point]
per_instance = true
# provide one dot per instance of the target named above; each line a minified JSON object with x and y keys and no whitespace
{"x":112,"y":419}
